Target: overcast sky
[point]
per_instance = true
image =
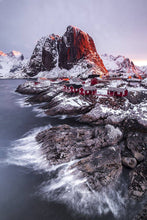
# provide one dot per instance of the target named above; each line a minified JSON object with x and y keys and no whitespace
{"x":117,"y":26}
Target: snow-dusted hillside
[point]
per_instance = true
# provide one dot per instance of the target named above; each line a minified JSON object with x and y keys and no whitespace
{"x":11,"y":65}
{"x":143,"y":69}
{"x":117,"y":66}
{"x":121,"y":65}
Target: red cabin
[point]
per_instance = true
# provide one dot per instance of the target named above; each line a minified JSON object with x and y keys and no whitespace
{"x":119,"y":92}
{"x":36,"y":83}
{"x":66,"y":88}
{"x":89,"y":90}
{"x":72,"y":88}
{"x":94,"y":81}
{"x":76,"y":88}
{"x":81,"y":91}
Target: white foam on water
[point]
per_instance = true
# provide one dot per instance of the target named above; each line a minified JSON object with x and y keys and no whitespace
{"x":27,"y":152}
{"x":22,"y":102}
{"x":39,"y":112}
{"x":63,"y":117}
{"x":66,"y":185}
{"x":73,"y":190}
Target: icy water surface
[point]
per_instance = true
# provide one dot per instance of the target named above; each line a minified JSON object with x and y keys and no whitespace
{"x":30,"y":189}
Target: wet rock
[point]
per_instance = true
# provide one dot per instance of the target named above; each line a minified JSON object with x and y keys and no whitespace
{"x":138,"y":180}
{"x":30,"y":88}
{"x":137,"y":97}
{"x":47,"y":95}
{"x":64,"y":143}
{"x":101,"y":166}
{"x":137,"y":144}
{"x":139,"y":157}
{"x":95,"y":116}
{"x":114,"y":135}
{"x":78,"y":140}
{"x":142,"y":215}
{"x":129,"y":162}
{"x":135,"y":122}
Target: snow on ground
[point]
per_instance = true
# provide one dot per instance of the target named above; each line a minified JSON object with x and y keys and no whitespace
{"x":75,"y":101}
{"x":109,"y":62}
{"x":11,"y":67}
{"x":78,"y":69}
{"x":138,"y":111}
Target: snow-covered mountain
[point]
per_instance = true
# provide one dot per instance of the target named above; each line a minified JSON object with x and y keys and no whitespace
{"x":11,"y":65}
{"x":73,"y":53}
{"x":120,"y":65}
{"x":143,"y":69}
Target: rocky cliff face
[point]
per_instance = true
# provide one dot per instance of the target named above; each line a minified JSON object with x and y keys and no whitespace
{"x":76,"y":45}
{"x":65,"y":52}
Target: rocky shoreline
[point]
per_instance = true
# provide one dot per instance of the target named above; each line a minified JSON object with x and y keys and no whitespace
{"x":114,"y":137}
{"x":111,"y":136}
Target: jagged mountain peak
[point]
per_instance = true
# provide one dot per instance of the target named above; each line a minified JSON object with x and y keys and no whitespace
{"x":65,"y":52}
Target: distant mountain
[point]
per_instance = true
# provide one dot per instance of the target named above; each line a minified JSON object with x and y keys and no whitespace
{"x":143,"y":69}
{"x":11,"y":65}
{"x":121,"y":65}
{"x":16,"y":54}
{"x":74,"y":51}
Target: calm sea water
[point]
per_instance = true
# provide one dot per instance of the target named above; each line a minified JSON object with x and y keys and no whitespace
{"x":30,"y":189}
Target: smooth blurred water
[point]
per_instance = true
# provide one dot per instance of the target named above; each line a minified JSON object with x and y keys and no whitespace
{"x":30,"y":189}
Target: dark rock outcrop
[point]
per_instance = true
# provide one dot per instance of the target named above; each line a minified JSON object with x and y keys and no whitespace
{"x":35,"y":64}
{"x":50,"y":52}
{"x":76,"y":45}
{"x":138,"y":180}
{"x":142,"y":215}
{"x":65,"y":52}
{"x":29,"y":88}
{"x":100,"y":164}
{"x":137,"y":97}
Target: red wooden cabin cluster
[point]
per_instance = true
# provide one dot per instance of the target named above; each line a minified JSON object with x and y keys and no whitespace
{"x":94,"y":79}
{"x":87,"y":90}
{"x":120,"y":92}
{"x":72,"y":88}
{"x":78,"y":89}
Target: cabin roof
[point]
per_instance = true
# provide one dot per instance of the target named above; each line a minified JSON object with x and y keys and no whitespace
{"x":76,"y":79}
{"x":89,"y":88}
{"x":68,"y":85}
{"x":93,"y":75}
{"x":134,"y":80}
{"x":117,"y":89}
{"x":77,"y":86}
{"x":74,"y":85}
